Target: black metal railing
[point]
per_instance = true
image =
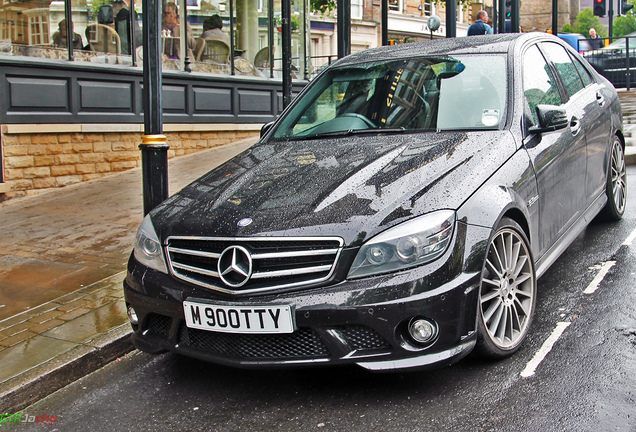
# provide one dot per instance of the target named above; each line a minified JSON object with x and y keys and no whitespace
{"x":316,"y":64}
{"x":615,"y":60}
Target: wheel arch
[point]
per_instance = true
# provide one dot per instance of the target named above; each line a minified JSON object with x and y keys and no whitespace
{"x":619,"y":134}
{"x":517,"y":215}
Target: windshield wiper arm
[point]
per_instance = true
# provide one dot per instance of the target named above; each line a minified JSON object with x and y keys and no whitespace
{"x":350,"y":132}
{"x":376,"y":130}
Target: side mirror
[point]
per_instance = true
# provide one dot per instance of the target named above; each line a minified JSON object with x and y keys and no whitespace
{"x":266,"y":127}
{"x":550,"y":118}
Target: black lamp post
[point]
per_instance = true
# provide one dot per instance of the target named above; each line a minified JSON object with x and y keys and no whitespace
{"x":385,"y":22}
{"x":70,"y":30}
{"x":154,"y":148}
{"x":287,"y":56}
{"x":186,"y":60}
{"x":451,"y":19}
{"x":344,"y":27}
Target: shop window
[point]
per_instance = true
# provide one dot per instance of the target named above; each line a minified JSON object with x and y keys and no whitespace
{"x":357,"y":7}
{"x":38,"y":30}
{"x":428,"y":8}
{"x":395,"y":5}
{"x":110,"y":32}
{"x":460,"y":13}
{"x":8,"y":29}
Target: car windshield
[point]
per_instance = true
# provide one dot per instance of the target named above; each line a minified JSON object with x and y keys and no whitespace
{"x":417,"y":94}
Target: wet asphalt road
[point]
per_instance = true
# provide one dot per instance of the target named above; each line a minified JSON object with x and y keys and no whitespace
{"x":587,"y":382}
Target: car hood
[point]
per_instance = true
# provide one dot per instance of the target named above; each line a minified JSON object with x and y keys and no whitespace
{"x":353,"y":187}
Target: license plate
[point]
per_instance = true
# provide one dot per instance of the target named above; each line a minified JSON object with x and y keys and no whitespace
{"x":256,"y":319}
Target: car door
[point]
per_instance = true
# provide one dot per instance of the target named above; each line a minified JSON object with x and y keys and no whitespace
{"x":598,"y":131}
{"x":586,"y":97}
{"x":558,"y":157}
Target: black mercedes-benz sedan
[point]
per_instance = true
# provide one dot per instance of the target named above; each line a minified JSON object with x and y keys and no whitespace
{"x":397,"y":214}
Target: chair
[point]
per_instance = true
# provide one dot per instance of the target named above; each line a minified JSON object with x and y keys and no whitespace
{"x":103,"y":38}
{"x":215,"y":51}
{"x":261,"y":59}
{"x":197,"y":51}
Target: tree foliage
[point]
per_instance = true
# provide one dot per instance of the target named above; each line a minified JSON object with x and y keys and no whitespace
{"x":624,"y":25}
{"x":322,"y":6}
{"x":97,"y":4}
{"x":586,"y":20}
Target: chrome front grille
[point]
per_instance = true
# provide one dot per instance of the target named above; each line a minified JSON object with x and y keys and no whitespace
{"x":250,"y":265}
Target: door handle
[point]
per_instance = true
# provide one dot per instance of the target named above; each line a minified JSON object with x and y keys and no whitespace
{"x":575,"y":125}
{"x":600,"y":99}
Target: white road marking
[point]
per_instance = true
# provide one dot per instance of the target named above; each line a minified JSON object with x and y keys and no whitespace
{"x":628,"y":241}
{"x":593,"y":286}
{"x":532,"y":365}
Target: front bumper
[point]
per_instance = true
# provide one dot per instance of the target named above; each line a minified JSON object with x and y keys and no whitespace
{"x":361,"y":322}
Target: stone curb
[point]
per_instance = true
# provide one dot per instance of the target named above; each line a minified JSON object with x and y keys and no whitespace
{"x":48,"y":377}
{"x":630,"y":155}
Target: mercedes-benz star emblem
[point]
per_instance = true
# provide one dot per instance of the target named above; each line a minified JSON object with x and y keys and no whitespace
{"x":235,"y":266}
{"x":244,"y":222}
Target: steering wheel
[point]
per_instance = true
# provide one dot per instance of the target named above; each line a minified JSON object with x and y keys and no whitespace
{"x":366,"y":121}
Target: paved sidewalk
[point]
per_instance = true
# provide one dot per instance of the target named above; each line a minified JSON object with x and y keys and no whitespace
{"x":63,"y":257}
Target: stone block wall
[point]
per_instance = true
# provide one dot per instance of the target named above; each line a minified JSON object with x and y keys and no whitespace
{"x":36,"y":161}
{"x":536,"y":15}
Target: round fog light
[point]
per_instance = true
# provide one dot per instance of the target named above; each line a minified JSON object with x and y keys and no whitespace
{"x":132,"y":316}
{"x":422,"y":331}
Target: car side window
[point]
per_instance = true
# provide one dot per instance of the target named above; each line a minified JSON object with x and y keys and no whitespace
{"x":583,"y":72}
{"x":539,"y":85}
{"x":565,"y":68}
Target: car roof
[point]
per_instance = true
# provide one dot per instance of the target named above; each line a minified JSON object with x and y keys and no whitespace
{"x":498,"y":43}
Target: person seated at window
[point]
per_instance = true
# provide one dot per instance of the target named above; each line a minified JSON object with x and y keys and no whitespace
{"x":121,"y":10}
{"x":171,"y":29}
{"x":60,"y":37}
{"x":212,"y":29}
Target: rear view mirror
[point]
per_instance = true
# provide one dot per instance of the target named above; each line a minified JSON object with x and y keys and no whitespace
{"x":448,"y":69}
{"x":550,"y":118}
{"x":266,"y":127}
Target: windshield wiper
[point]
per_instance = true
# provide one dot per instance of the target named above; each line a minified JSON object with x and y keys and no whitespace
{"x":350,"y":132}
{"x":377,"y":130}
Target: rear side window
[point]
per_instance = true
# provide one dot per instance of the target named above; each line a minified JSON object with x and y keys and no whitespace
{"x":583,"y":73}
{"x":565,"y":68}
{"x":539,"y":86}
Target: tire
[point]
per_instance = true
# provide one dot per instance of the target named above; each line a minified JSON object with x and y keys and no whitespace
{"x":616,"y":187}
{"x":507,"y":293}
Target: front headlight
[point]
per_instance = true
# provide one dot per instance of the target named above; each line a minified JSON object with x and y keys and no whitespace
{"x":148,"y":247}
{"x":409,"y":244}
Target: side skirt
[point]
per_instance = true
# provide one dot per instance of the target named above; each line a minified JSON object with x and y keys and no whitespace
{"x":577,"y":228}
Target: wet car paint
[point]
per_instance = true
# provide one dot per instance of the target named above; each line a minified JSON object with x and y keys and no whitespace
{"x":356,"y":187}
